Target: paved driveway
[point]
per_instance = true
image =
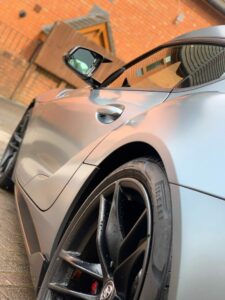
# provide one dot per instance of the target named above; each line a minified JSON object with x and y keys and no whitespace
{"x":15,"y":282}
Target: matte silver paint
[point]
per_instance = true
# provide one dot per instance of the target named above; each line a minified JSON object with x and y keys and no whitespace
{"x":186,"y":128}
{"x":184,"y":131}
{"x":198,"y":265}
{"x":210,"y":32}
{"x":62,"y":133}
{"x":47,"y":223}
{"x":198,"y":261}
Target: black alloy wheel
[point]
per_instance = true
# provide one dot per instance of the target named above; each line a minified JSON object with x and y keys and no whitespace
{"x":110,"y":248}
{"x":9,"y":156}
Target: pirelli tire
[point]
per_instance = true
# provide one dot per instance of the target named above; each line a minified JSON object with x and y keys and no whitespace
{"x":119,"y":241}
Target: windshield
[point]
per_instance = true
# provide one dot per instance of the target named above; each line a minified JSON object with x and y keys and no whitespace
{"x":178,"y":66}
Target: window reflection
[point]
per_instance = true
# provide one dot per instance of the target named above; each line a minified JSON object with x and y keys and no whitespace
{"x":178,"y":66}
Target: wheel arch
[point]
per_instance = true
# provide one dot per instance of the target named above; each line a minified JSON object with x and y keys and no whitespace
{"x":126,"y":153}
{"x":117,"y":158}
{"x":144,"y":175}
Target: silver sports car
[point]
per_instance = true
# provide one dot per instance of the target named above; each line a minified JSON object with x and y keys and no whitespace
{"x":120,"y":187}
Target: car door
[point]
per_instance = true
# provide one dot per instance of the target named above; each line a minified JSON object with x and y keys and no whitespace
{"x":65,"y":129}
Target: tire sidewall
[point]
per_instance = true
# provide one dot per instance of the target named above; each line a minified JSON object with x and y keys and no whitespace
{"x":153,"y":178}
{"x":6,"y":181}
{"x":5,"y":178}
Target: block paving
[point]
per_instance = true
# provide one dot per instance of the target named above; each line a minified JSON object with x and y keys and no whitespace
{"x":15,"y":281}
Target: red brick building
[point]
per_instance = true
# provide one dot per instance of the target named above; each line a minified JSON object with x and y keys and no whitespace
{"x":133,"y":27}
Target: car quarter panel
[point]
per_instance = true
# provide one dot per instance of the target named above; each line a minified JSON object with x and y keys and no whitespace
{"x":187,"y":132}
{"x":198,"y":246}
{"x":62,"y":133}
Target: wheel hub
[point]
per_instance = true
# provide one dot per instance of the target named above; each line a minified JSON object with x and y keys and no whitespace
{"x":113,"y":250}
{"x":108,"y":291}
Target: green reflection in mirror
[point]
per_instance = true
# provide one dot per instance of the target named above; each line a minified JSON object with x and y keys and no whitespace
{"x":84,"y":61}
{"x":79,"y":65}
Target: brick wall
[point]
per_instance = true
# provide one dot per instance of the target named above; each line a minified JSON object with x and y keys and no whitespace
{"x":13,"y":40}
{"x":22,"y":80}
{"x":137,"y":25}
{"x":37,"y":82}
{"x":12,"y":69}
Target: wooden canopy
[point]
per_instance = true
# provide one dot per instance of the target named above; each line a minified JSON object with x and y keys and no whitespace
{"x":62,"y":38}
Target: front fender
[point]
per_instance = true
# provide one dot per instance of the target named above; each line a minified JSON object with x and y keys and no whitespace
{"x":188,"y":134}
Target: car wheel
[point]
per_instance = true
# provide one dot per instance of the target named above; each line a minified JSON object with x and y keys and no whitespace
{"x":9,"y":156}
{"x":120,"y":238}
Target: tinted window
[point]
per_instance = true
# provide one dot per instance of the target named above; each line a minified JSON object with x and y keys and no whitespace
{"x":177,"y":66}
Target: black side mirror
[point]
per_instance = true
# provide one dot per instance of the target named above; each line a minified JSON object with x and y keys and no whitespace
{"x":84,"y":62}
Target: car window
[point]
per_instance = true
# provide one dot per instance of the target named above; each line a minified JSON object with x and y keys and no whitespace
{"x":211,"y":68}
{"x":178,"y":66}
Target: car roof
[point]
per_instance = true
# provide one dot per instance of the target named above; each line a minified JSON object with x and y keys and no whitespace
{"x":209,"y":32}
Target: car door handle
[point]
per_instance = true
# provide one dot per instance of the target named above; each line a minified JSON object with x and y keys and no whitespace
{"x":109,"y":113}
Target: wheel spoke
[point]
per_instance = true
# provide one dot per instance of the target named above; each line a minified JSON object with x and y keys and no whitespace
{"x":119,"y":254}
{"x":7,"y":155}
{"x":137,"y":232}
{"x":92,"y":269}
{"x":14,"y":146}
{"x":114,"y":235}
{"x":103,"y":254}
{"x":5,"y":165}
{"x":8,"y":159}
{"x":126,"y":269}
{"x":61,"y":289}
{"x":17,"y":137}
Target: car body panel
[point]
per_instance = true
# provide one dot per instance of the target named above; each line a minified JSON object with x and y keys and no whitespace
{"x":197,"y":220}
{"x":46,"y":224}
{"x":175,"y":142}
{"x":65,"y":145}
{"x":60,"y":136}
{"x":210,"y":32}
{"x":183,"y":130}
{"x":198,"y":264}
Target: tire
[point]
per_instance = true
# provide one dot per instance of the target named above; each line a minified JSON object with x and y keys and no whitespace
{"x":119,"y":238}
{"x":9,"y":157}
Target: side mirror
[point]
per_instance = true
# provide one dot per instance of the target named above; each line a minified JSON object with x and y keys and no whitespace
{"x":83,"y":61}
